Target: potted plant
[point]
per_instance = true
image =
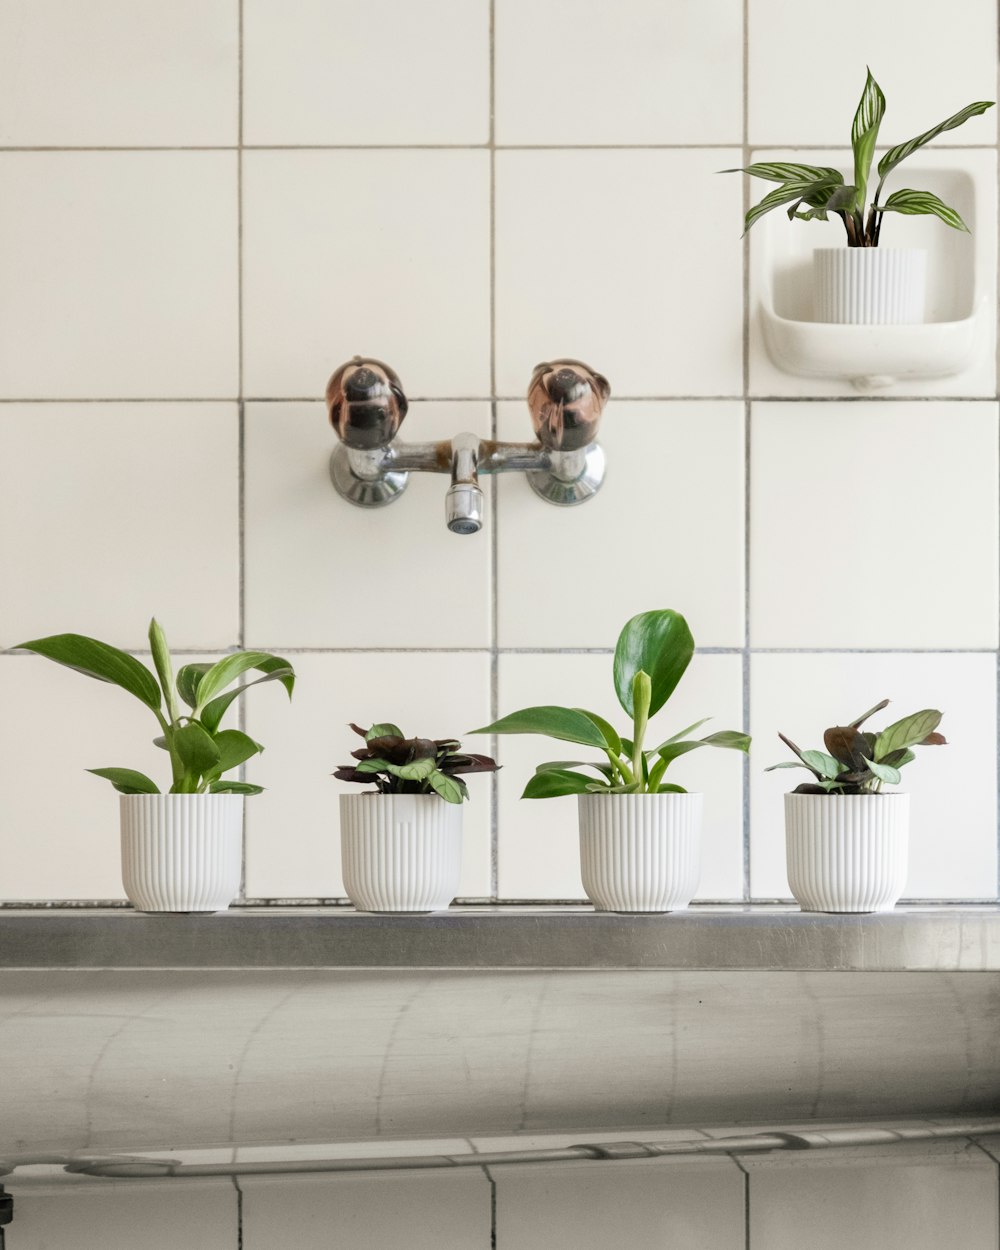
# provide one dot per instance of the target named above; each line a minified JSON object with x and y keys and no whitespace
{"x":640,"y":835}
{"x":863,"y":283}
{"x":847,"y":839}
{"x":182,"y":850}
{"x":401,"y":844}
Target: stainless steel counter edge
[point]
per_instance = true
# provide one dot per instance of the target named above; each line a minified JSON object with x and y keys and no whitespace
{"x":960,"y":939}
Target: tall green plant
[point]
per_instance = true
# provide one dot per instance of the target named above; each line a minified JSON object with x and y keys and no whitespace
{"x":812,"y":192}
{"x":188,"y":709}
{"x":652,"y":655}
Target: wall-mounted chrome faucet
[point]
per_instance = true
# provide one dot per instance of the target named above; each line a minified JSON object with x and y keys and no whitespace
{"x":370,"y":467}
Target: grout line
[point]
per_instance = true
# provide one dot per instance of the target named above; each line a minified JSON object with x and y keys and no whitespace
{"x":997,"y":366}
{"x":15,"y":149}
{"x":508,"y":399}
{"x":241,"y":469}
{"x":495,"y":493}
{"x":13,"y":653}
{"x":747,"y":418}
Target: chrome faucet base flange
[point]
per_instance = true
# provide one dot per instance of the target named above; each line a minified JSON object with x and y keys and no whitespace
{"x":374,"y":492}
{"x":549,"y":485}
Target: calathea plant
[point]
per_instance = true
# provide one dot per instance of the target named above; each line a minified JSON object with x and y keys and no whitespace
{"x":652,"y":655}
{"x":812,"y":193}
{"x":858,"y":762}
{"x":188,"y":709}
{"x":398,"y":765}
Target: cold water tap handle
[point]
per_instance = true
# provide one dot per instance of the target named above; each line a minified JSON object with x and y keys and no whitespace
{"x":365,"y":403}
{"x":566,"y":399}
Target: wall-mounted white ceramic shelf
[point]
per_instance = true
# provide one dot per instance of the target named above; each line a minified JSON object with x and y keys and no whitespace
{"x":955,"y":342}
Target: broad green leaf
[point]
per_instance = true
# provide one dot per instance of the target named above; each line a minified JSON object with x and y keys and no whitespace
{"x":416,"y":770}
{"x":731,"y":739}
{"x":633,"y":787}
{"x":234,"y":787}
{"x":689,"y":729}
{"x":669,"y":788}
{"x":655,"y":774}
{"x":451,"y":789}
{"x":232,"y":666}
{"x":162,"y":664}
{"x":127,"y":780}
{"x":922,"y":203}
{"x":856,"y":724}
{"x":274,"y":670}
{"x":907,"y":732}
{"x":100,"y":661}
{"x":897,"y":759}
{"x":385,"y":729}
{"x":883,"y":772}
{"x":902,"y":150}
{"x":864,"y":134}
{"x":789,"y":764}
{"x":565,"y":723}
{"x":788,"y":171}
{"x":611,"y":738}
{"x":188,"y":677}
{"x":604,"y":769}
{"x":372,"y":766}
{"x":784,"y":195}
{"x":235,"y":748}
{"x":196,"y":748}
{"x":674,"y":750}
{"x":822,"y":763}
{"x":556,"y":782}
{"x":660,"y":644}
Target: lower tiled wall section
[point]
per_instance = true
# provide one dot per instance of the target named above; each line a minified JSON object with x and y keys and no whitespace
{"x":904,"y":1197}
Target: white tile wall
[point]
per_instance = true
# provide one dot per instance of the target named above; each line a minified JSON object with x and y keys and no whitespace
{"x":118,"y":275}
{"x":465,"y":189}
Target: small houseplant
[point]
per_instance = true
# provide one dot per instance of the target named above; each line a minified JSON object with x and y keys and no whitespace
{"x":182,"y":849}
{"x":861,"y":283}
{"x":640,"y":835}
{"x":401,"y":845}
{"x":846,"y":838}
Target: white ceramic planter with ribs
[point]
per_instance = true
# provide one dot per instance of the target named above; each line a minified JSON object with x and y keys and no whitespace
{"x":870,"y":285}
{"x":400,"y":852}
{"x":181,"y":852}
{"x":640,"y":852}
{"x":847,"y":852}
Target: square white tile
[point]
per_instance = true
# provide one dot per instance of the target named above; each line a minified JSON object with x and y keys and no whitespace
{"x":113,"y":552}
{"x":293,"y":840}
{"x":924,"y":80}
{"x":116,"y":513}
{"x":590,"y":1206}
{"x":382,"y":252}
{"x":101,"y":1215}
{"x":366,"y":72}
{"x":599,"y":258}
{"x":874,"y":525}
{"x":429,"y":1211}
{"x":118,"y":275}
{"x":321,"y":572}
{"x":133,"y":73}
{"x":61,"y":824}
{"x":538,"y":848}
{"x":953,"y":840}
{"x":961,"y":270}
{"x":649,"y":535}
{"x":629,"y":73}
{"x":924,"y":1206}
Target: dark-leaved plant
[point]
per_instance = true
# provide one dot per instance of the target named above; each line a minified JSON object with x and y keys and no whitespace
{"x":652,"y":655}
{"x":189,"y":709}
{"x":860,"y":762}
{"x":398,"y":765}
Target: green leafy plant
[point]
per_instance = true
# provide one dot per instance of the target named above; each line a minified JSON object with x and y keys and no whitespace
{"x":189,"y":710}
{"x":812,"y":193}
{"x":857,"y":762}
{"x":398,"y":765}
{"x":652,"y":655}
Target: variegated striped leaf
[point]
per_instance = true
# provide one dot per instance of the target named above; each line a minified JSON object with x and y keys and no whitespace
{"x":786,"y":171}
{"x":864,"y":133}
{"x":784,"y":195}
{"x":918,"y":203}
{"x":902,"y":150}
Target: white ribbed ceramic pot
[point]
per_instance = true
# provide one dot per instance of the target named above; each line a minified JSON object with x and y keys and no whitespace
{"x":869,"y":285}
{"x":181,"y":852}
{"x":400,"y":852}
{"x":640,"y":852}
{"x":847,"y":852}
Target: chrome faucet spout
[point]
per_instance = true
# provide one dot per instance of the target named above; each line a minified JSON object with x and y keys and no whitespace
{"x":463,"y":504}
